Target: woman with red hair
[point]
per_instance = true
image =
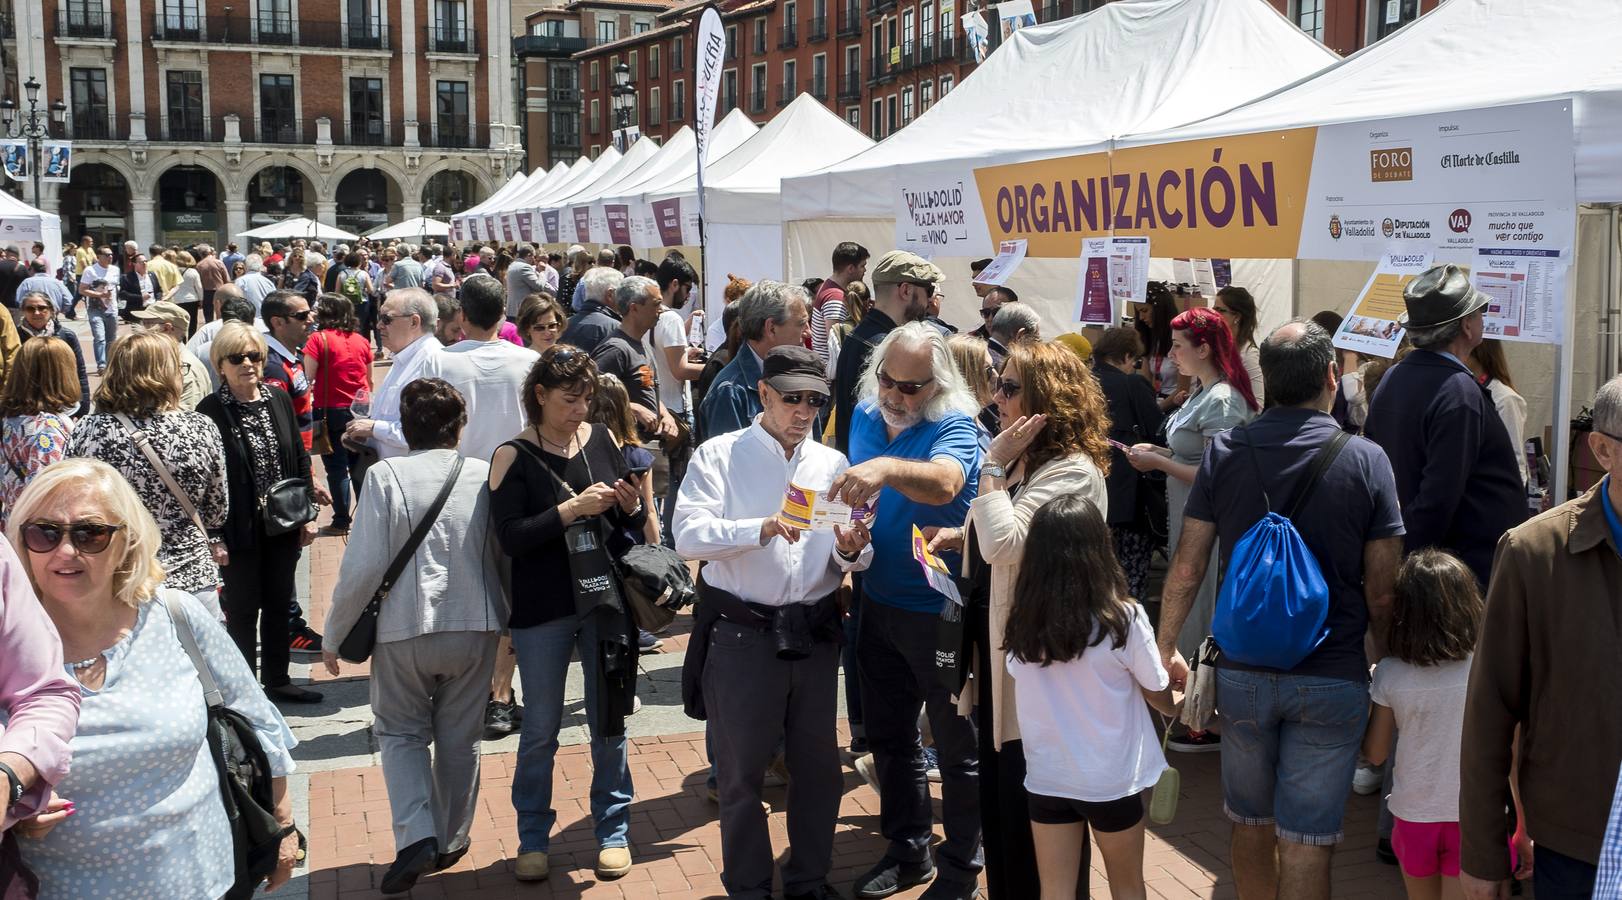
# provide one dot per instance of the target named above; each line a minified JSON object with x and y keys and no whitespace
{"x":1203,"y":348}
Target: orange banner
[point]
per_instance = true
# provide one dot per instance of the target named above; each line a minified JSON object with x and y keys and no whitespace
{"x":1242,"y":196}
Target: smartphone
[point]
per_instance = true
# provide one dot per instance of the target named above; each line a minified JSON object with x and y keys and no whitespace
{"x":638,"y":471}
{"x":1119,"y":446}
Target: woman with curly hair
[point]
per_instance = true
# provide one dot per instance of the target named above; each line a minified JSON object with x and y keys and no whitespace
{"x":1053,"y":442}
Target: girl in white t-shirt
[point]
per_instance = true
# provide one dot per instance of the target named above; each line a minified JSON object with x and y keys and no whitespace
{"x":1419,"y":690}
{"x":1083,"y":659}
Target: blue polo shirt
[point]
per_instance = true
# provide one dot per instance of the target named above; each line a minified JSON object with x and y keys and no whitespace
{"x":894,"y":578}
{"x":1611,"y":517}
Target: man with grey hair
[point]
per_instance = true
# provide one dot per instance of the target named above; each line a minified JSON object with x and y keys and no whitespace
{"x":599,"y":317}
{"x":622,"y":354}
{"x":770,"y":314}
{"x":915,"y":448}
{"x":1548,"y":642}
{"x":406,"y":271}
{"x":523,"y":279}
{"x":1012,"y":323}
{"x":1455,"y":462}
{"x":405,"y":322}
{"x":253,"y":283}
{"x":903,"y":284}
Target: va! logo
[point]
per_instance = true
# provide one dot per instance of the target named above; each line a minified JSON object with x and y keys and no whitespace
{"x":1458,"y":221}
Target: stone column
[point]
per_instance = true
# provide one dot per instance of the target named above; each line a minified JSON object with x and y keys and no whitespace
{"x":143,"y":221}
{"x":236,"y":220}
{"x":326,"y":212}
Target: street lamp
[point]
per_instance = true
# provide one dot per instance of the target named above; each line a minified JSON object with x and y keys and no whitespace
{"x":624,"y":102}
{"x":34,"y":127}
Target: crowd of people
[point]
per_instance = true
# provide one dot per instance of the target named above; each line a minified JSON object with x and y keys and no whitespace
{"x":540,"y":416}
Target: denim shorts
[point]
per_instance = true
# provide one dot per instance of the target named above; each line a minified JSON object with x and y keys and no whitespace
{"x":1289,"y":748}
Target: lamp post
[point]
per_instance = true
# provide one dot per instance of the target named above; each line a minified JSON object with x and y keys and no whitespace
{"x":624,"y":102}
{"x":35,"y":128}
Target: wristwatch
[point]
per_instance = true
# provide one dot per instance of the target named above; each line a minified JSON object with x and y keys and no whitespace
{"x":16,"y":792}
{"x":994,"y":470}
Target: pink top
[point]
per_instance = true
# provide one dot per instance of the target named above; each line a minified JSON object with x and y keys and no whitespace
{"x":38,"y":695}
{"x":509,"y":332}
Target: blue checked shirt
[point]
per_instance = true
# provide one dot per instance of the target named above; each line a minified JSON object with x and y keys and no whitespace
{"x":1608,"y":883}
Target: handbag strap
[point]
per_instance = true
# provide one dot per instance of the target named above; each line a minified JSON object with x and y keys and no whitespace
{"x":188,"y":639}
{"x":420,"y":533}
{"x":1326,"y":455}
{"x":144,"y":444}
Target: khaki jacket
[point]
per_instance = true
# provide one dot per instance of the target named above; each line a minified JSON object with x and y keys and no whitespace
{"x":1545,"y":660}
{"x":1000,"y":526}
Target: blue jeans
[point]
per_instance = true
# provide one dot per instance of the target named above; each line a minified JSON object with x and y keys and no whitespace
{"x":337,"y":464}
{"x":103,"y":331}
{"x":1289,"y":748}
{"x":678,"y":471}
{"x":543,"y":663}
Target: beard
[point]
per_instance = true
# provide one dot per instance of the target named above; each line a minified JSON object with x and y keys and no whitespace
{"x":898,"y":417}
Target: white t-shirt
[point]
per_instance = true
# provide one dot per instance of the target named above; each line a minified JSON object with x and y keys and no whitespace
{"x":1428,"y":702}
{"x":1084,"y":722}
{"x":490,"y":375}
{"x":670,"y":331}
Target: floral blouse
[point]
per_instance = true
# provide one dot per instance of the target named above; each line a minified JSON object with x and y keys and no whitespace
{"x":29,"y":444}
{"x":190,"y":446}
{"x":260,"y":433}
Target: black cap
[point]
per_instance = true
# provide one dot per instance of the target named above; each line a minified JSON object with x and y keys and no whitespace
{"x":794,"y":368}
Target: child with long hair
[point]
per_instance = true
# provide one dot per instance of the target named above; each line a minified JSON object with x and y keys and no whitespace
{"x":1419,"y":690}
{"x":1083,"y":657}
{"x":611,"y":408}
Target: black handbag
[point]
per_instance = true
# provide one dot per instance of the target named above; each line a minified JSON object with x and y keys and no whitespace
{"x":287,"y":506}
{"x":358,"y":644}
{"x":244,"y":773}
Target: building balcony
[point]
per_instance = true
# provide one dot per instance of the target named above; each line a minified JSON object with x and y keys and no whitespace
{"x":819,"y":87}
{"x":926,"y":51}
{"x":548,"y":45}
{"x":880,"y":70}
{"x":563,"y":140}
{"x":191,"y":129}
{"x":83,"y":24}
{"x":818,"y":30}
{"x":850,"y":23}
{"x":729,"y":102}
{"x":678,"y":110}
{"x":732,"y":52}
{"x":267,"y":30}
{"x":363,"y":133}
{"x":944,"y":50}
{"x":908,"y":58}
{"x":97,"y":126}
{"x":277,"y":130}
{"x":563,"y":95}
{"x":874,"y":7}
{"x":450,"y":136}
{"x":789,"y":37}
{"x":787,"y":91}
{"x":850,"y":86}
{"x":452,"y":39}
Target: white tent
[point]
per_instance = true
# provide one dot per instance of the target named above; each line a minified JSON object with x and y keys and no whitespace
{"x":560,"y":176}
{"x":21,"y":225}
{"x":574,"y":208}
{"x":467,"y":217}
{"x":541,"y":203}
{"x":420,"y":227}
{"x":743,"y":226}
{"x":1131,"y":65}
{"x":677,"y":162}
{"x":299,"y":227}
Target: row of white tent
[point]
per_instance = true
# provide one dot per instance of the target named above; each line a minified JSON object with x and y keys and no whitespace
{"x":647,"y":197}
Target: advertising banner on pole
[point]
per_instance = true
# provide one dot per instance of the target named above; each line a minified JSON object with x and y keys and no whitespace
{"x":58,"y":161}
{"x":15,"y":155}
{"x":977,"y":35}
{"x":711,"y":47}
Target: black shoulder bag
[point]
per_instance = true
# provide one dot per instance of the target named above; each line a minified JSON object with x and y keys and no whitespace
{"x":358,"y":644}
{"x":290,"y":502}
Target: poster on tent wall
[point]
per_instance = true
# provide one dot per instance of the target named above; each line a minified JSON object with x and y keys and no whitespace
{"x":976,"y":33}
{"x":933,"y":215}
{"x":667,"y":221}
{"x":1128,"y":270}
{"x":619,"y":222}
{"x":58,"y":161}
{"x":1454,"y":181}
{"x":1093,"y":303}
{"x":550,"y":229}
{"x":526,"y":226}
{"x":1525,"y":286}
{"x":582,"y":223}
{"x":1371,"y":327}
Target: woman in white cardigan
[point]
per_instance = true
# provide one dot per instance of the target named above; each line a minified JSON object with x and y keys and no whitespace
{"x":1054,"y":442}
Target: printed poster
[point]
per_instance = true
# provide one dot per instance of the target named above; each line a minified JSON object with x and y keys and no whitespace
{"x":1014,"y":15}
{"x":1371,"y":327}
{"x":549,"y":226}
{"x":935,"y":571}
{"x":1128,"y":270}
{"x":1094,"y":305}
{"x":58,"y":161}
{"x":16,"y":159}
{"x":667,"y":220}
{"x":618,"y":216}
{"x":976,"y":33}
{"x":806,"y":508}
{"x":492,"y":228}
{"x":1009,"y":255}
{"x":1182,"y":270}
{"x":1526,"y":286}
{"x":582,"y":222}
{"x":526,"y":227}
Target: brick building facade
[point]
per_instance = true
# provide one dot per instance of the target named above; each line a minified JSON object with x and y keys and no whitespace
{"x":195,"y":119}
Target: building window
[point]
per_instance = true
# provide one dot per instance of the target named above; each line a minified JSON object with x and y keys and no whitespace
{"x":678,"y":54}
{"x":819,"y":76}
{"x":565,"y":128}
{"x":791,"y":16}
{"x":878,"y":119}
{"x":732,"y":42}
{"x":892,"y":121}
{"x":453,"y":113}
{"x":641,"y":27}
{"x":654,"y":107}
{"x":185,"y":106}
{"x":366,"y":111}
{"x":1309,"y":14}
{"x":760,"y":35}
{"x":653,"y":61}
{"x":757,"y":88}
{"x":595,"y":75}
{"x":906,"y":32}
{"x":563,"y":77}
{"x":607,"y":30}
{"x":451,"y":34}
{"x":729,"y":90}
{"x":632,"y":64}
{"x":906,"y":105}
{"x":926,"y":96}
{"x":853,"y":115}
{"x":278,"y":118}
{"x":791,"y":82}
{"x":595,"y":150}
{"x":946,"y":85}
{"x":678,"y":102}
{"x":926,"y":18}
{"x":1390,"y":15}
{"x":595,"y":121}
{"x":853,"y":62}
{"x":91,"y":117}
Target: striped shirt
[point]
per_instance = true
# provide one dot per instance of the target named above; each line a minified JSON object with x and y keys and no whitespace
{"x":827,"y":310}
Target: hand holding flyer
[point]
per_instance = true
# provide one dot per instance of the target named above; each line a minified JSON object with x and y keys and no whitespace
{"x":805,"y":508}
{"x":935,"y":571}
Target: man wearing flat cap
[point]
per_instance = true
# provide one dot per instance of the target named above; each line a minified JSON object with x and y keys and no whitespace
{"x":903,"y":284}
{"x":1454,"y":461}
{"x":761,"y":667}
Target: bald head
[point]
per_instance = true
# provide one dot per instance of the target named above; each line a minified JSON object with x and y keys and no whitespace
{"x":1298,"y":366}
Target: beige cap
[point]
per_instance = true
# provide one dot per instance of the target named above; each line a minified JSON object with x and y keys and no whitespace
{"x":901,"y":267}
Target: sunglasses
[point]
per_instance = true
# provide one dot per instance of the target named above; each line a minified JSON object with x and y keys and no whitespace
{"x":86,"y":537}
{"x":987,"y":312}
{"x":384,"y":318}
{"x":302,"y":316}
{"x":546,"y":326}
{"x":816,"y":400}
{"x":237,"y":359}
{"x":906,"y":387}
{"x":1006,"y":388}
{"x":564,"y":355}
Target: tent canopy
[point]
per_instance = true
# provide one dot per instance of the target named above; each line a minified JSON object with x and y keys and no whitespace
{"x":677,"y":162}
{"x":1129,"y":66}
{"x":1464,"y":54}
{"x":299,"y":227}
{"x":506,"y":190}
{"x":419,"y":227}
{"x":560,"y":176}
{"x":607,"y":176}
{"x":583,"y":172}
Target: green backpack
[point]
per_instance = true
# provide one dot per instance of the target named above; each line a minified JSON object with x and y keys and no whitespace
{"x":351,"y":287}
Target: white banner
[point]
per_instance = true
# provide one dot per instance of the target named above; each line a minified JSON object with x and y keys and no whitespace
{"x":711,"y":47}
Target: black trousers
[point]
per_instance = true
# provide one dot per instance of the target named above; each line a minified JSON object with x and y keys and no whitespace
{"x":258,"y":585}
{"x":1010,"y":852}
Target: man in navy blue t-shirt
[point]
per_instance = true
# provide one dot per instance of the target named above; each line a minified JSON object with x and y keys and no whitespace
{"x":914,"y":447}
{"x":1290,"y":738}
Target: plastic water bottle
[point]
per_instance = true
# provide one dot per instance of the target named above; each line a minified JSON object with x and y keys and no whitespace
{"x":695,"y":329}
{"x":361,"y":406}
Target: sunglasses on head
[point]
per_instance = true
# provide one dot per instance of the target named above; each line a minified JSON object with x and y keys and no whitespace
{"x":86,"y":537}
{"x":906,"y":387}
{"x":237,"y":359}
{"x":1006,"y":388}
{"x":816,"y":400}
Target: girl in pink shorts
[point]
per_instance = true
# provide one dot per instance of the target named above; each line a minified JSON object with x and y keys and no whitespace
{"x":1419,"y":689}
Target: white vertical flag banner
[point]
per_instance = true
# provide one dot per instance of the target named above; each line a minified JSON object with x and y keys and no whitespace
{"x":711,"y":47}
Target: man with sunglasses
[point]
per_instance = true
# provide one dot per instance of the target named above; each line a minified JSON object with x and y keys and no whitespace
{"x":914,"y":447}
{"x":902,"y":285}
{"x":405,"y":324}
{"x":770,"y":610}
{"x":991,"y":301}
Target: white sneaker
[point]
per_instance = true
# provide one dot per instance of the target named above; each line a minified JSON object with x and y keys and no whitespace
{"x":864,"y":768}
{"x":1367,"y":780}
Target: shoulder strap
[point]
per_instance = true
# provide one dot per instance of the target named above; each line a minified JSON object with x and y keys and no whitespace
{"x":143,"y":444}
{"x":419,"y":533}
{"x":529,"y":448}
{"x":188,"y":639}
{"x":1326,"y":455}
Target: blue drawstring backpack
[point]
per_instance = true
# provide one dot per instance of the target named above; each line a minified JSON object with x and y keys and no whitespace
{"x":1274,"y":599}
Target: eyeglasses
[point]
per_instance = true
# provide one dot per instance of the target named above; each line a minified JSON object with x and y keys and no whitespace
{"x":237,"y":359}
{"x":1613,"y":437}
{"x":384,"y":318}
{"x":546,"y":326}
{"x":987,"y":312}
{"x":86,"y":537}
{"x":1006,"y":388}
{"x":816,"y":400}
{"x":906,"y":387}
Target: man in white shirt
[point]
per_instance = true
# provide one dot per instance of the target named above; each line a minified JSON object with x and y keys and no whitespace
{"x":769,"y":606}
{"x":488,"y":371}
{"x":406,"y":323}
{"x":255,"y":286}
{"x":98,"y":285}
{"x":676,"y":366}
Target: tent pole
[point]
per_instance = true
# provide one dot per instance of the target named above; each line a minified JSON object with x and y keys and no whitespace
{"x":1563,"y":372}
